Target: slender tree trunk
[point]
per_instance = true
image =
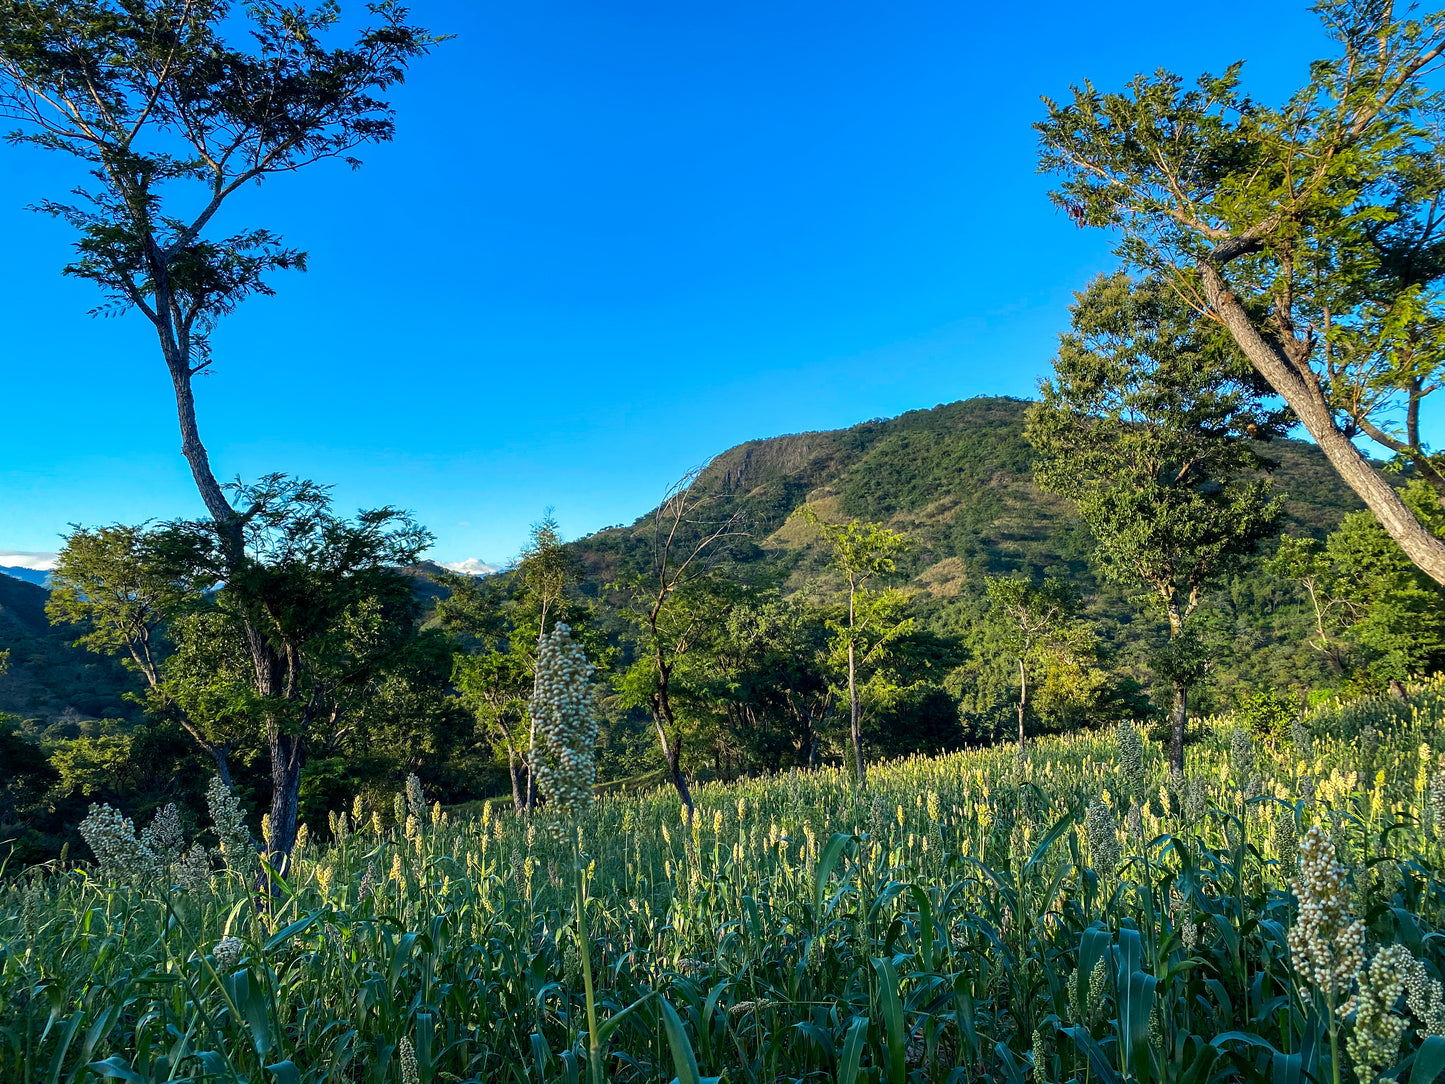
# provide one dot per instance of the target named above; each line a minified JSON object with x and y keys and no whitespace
{"x":532,"y":737}
{"x":1178,"y":717}
{"x":531,"y":802}
{"x":672,"y":754}
{"x":856,"y":716}
{"x":223,"y":767}
{"x":668,"y":732}
{"x":1023,"y":700}
{"x":1299,"y":387}
{"x":518,"y":801}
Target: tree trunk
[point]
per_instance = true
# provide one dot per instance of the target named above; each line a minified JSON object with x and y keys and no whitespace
{"x":518,"y":801}
{"x":287,"y":756}
{"x":531,"y":802}
{"x":672,"y":754}
{"x":1023,"y":700}
{"x":857,"y":718}
{"x":1179,"y":714}
{"x":1177,"y":719}
{"x":223,"y":767}
{"x":1298,"y":386}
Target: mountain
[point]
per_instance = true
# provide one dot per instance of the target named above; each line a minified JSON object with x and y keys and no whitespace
{"x":29,"y":575}
{"x":957,"y":479}
{"x":49,"y":679}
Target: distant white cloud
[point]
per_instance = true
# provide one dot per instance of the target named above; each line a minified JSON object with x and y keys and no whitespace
{"x":40,"y":562}
{"x":470,"y":567}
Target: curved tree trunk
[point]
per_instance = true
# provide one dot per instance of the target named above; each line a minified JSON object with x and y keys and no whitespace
{"x":1298,"y":386}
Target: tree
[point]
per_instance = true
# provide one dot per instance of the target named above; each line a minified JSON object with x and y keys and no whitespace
{"x":494,"y":686}
{"x":691,"y":531}
{"x":1302,"y":561}
{"x":322,"y":592}
{"x":766,"y":671}
{"x":123,"y":584}
{"x":171,"y":121}
{"x":1150,"y":426}
{"x":1311,"y":232}
{"x":862,"y":553}
{"x":1040,"y":628}
{"x":501,"y":622}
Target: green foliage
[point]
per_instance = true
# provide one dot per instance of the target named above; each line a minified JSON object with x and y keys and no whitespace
{"x":167,"y":105}
{"x":1038,"y":630}
{"x":1377,"y":616}
{"x":1150,"y":426}
{"x":1307,"y":229}
{"x":1268,"y":713}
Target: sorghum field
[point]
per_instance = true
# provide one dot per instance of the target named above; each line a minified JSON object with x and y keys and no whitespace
{"x":1071,"y":915}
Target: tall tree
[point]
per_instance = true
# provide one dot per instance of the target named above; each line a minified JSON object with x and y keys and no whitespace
{"x":322,"y":591}
{"x":1040,"y":627}
{"x":171,"y":121}
{"x":862,"y":553}
{"x":1311,"y":231}
{"x":691,"y":533}
{"x":1150,"y":426}
{"x":495,"y":685}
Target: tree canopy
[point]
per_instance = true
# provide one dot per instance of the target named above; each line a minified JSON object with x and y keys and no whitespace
{"x":1310,"y":231}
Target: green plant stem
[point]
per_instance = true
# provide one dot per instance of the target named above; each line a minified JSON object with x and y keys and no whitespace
{"x":584,"y":948}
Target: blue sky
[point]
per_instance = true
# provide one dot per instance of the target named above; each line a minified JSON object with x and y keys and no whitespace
{"x":610,"y":241}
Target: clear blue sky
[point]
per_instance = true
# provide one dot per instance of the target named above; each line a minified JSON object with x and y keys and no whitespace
{"x":610,"y":241}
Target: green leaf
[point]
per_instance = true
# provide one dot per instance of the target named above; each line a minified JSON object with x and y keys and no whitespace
{"x":1429,"y":1060}
{"x":683,"y":1059}
{"x":848,"y":1067}
{"x":292,"y":930}
{"x":608,"y":1026}
{"x":284,"y":1072}
{"x":832,"y":851}
{"x":892,"y":1021}
{"x":116,"y":1068}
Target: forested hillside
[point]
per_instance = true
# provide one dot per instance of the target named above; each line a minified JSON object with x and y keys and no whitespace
{"x":957,"y":478}
{"x":957,"y":481}
{"x":49,"y":680}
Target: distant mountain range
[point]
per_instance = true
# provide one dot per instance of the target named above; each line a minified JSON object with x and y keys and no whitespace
{"x":29,"y":575}
{"x":956,"y":479}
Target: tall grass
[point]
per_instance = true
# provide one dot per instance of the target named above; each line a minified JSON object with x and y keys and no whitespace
{"x":1055,"y":917}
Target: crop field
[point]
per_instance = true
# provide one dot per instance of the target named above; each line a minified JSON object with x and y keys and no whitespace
{"x":1068,"y":915}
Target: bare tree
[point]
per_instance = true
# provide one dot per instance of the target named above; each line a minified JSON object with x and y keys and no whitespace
{"x":690,"y":535}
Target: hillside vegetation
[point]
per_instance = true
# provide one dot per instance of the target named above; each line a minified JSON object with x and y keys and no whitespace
{"x":956,"y":481}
